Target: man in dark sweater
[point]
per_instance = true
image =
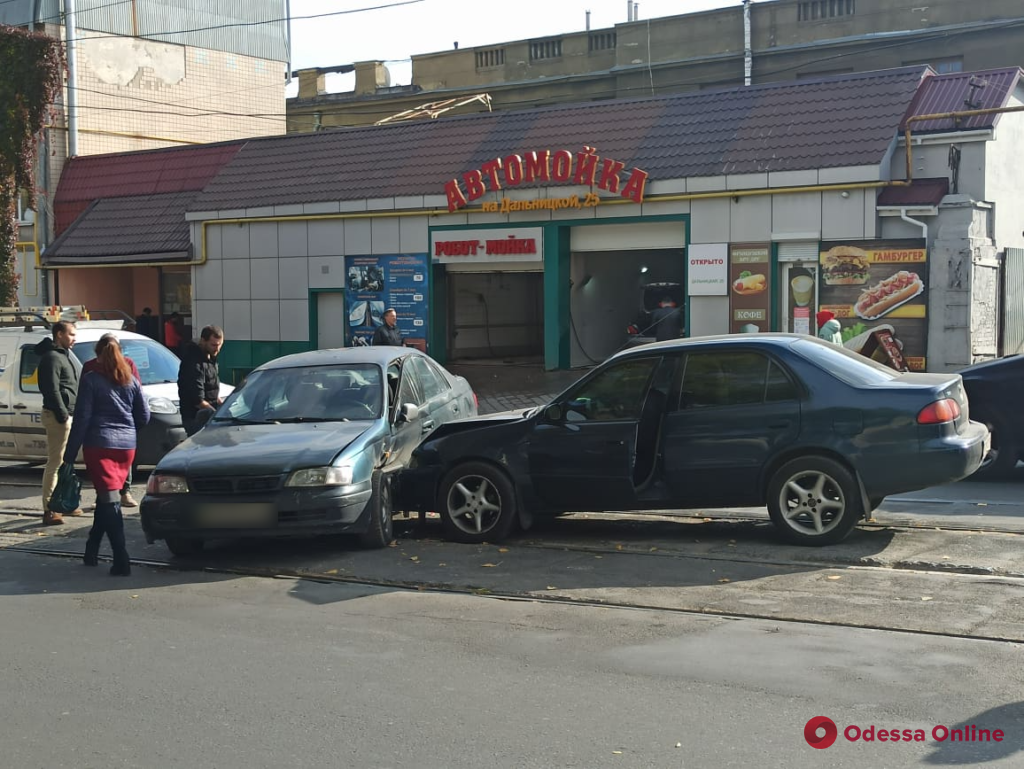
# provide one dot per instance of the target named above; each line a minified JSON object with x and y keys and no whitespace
{"x":58,"y":384}
{"x":388,"y":334}
{"x":199,"y":378}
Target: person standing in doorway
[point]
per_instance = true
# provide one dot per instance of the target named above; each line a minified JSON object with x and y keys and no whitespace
{"x":110,"y":412}
{"x":173,"y":332}
{"x":388,"y":334}
{"x":199,"y":377}
{"x":58,"y":384}
{"x":127,"y":500}
{"x":667,"y":320}
{"x":147,"y":323}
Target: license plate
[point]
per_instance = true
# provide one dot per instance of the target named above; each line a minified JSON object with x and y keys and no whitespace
{"x":236,"y":515}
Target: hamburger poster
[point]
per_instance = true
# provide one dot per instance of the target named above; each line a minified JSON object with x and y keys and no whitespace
{"x":878,"y":285}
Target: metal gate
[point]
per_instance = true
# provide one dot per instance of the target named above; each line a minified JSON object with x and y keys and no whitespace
{"x":1013,"y":302}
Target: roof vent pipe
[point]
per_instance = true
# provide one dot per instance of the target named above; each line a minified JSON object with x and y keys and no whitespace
{"x":71,"y":46}
{"x":748,"y":51}
{"x":636,"y":11}
{"x":629,"y":10}
{"x":588,"y":21}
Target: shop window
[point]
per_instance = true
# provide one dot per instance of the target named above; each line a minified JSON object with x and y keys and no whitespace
{"x":542,"y":50}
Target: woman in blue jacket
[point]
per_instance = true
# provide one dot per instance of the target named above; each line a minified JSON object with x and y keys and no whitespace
{"x":108,"y":414}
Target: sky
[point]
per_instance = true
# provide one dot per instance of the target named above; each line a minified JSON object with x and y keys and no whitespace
{"x":428,"y":26}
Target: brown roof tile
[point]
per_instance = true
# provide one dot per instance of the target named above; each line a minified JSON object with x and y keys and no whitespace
{"x":845,"y":120}
{"x":140,"y":228}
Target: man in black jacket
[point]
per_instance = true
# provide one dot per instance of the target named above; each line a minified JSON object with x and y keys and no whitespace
{"x":388,"y":334}
{"x":58,"y":384}
{"x":199,"y":378}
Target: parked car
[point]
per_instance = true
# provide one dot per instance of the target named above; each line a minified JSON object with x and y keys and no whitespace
{"x":818,"y":434}
{"x":308,"y":444}
{"x":22,"y":436}
{"x":994,"y":392}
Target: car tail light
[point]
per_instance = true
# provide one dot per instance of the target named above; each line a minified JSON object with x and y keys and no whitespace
{"x":946,"y":410}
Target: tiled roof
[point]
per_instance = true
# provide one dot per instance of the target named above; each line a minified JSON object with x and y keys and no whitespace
{"x":176,"y":169}
{"x":921,"y":192}
{"x":846,"y":120}
{"x":140,"y":228}
{"x":954,"y":93}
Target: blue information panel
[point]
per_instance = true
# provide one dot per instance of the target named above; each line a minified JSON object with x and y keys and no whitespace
{"x":375,"y":283}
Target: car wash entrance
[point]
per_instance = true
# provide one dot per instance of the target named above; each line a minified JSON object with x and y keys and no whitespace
{"x":494,"y":287}
{"x":619,"y":274}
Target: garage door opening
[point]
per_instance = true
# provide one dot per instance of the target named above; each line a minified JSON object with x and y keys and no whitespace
{"x":609,"y":292}
{"x":496,"y":315}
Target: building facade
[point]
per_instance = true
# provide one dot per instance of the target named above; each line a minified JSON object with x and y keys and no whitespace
{"x":149,"y":75}
{"x":788,"y":40}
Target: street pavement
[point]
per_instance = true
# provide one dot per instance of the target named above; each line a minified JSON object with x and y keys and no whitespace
{"x":196,"y":669}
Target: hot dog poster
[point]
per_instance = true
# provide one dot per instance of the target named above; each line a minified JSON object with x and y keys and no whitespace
{"x":750,"y":283}
{"x":878,"y":284}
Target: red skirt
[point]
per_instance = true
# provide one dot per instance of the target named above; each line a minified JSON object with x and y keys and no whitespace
{"x":108,"y":468}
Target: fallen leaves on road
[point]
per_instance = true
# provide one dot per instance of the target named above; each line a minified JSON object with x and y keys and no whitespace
{"x":502,"y":549}
{"x":833,"y":576}
{"x":414,"y":558}
{"x":618,"y":547}
{"x":331,"y":571}
{"x":926,"y":598}
{"x":725,"y":579}
{"x":552,"y":587}
{"x":488,"y":565}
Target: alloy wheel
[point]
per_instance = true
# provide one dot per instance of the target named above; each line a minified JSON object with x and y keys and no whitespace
{"x":474,"y":504}
{"x":812,"y":502}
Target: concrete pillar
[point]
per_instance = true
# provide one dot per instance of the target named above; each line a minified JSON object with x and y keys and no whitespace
{"x":963,"y":294}
{"x":311,"y":83}
{"x":371,"y":75}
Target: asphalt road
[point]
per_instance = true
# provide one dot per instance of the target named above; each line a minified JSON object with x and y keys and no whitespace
{"x":191,"y":669}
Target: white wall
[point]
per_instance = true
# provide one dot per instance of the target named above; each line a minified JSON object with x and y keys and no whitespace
{"x":257,"y":277}
{"x":1004,"y":174}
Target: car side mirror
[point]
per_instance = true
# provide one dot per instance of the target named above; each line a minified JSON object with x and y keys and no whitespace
{"x":554,"y":413}
{"x":203,"y":416}
{"x":408,"y":412}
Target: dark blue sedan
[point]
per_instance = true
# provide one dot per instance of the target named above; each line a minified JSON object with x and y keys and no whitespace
{"x":814,"y":432}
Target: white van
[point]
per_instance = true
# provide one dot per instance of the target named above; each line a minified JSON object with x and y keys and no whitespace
{"x":22,"y":437}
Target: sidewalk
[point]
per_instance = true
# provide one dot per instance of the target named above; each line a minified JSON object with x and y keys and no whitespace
{"x":505,"y":385}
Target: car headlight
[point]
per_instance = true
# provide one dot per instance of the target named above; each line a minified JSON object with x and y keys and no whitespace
{"x":158,"y":405}
{"x":166,"y":484}
{"x":321,"y":476}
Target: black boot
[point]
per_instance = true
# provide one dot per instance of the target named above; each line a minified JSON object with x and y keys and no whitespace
{"x":92,"y":545}
{"x":115,"y":532}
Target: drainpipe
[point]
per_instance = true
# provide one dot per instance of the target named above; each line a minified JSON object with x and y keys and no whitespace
{"x":916,"y":222}
{"x":748,"y":51}
{"x":72,"y":55}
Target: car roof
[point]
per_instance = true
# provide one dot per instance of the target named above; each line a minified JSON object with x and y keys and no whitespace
{"x":380,"y":356}
{"x":767,"y":339}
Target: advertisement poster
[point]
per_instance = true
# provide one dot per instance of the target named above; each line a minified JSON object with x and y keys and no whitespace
{"x":707,"y":269}
{"x":750,"y":288}
{"x":375,"y":283}
{"x":878,"y":290}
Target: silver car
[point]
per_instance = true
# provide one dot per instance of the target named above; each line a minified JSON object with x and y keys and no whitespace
{"x":309,"y":444}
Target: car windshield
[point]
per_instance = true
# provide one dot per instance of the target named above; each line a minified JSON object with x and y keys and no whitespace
{"x":852,"y":368}
{"x":309,"y":394}
{"x":155,"y":362}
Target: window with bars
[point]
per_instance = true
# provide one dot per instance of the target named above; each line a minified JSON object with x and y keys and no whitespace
{"x":816,"y":10}
{"x":541,"y":50}
{"x":492,"y":57}
{"x":602,"y":41}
